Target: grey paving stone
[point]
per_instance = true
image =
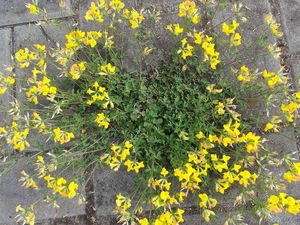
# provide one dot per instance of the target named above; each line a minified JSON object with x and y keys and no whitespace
{"x":193,"y":219}
{"x":107,"y":184}
{"x":5,"y":60}
{"x":251,"y":32}
{"x":12,"y":194}
{"x":295,"y":63}
{"x":14,"y":11}
{"x":290,"y":17}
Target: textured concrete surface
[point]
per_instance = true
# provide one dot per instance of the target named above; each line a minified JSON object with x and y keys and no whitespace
{"x":14,"y":11}
{"x":290,"y":15}
{"x":16,"y":32}
{"x":107,"y":184}
{"x":5,"y":59}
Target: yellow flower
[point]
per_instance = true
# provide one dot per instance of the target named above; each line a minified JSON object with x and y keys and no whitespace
{"x":61,"y":136}
{"x":186,"y":49}
{"x":206,"y":202}
{"x":271,"y":22}
{"x":211,"y":88}
{"x":245,"y":76}
{"x":116,"y":5}
{"x":107,"y":69}
{"x":252,"y":141}
{"x":289,"y":110}
{"x":230,"y":28}
{"x":10,"y":80}
{"x":206,"y":214}
{"x":144,"y":221}
{"x":200,"y":135}
{"x":94,"y":13}
{"x":102,"y":120}
{"x":198,"y":38}
{"x":175,"y":29}
{"x":92,"y":38}
{"x":28,"y":181}
{"x":189,"y":10}
{"x":77,"y":70}
{"x":210,"y":54}
{"x":134,"y":18}
{"x":72,"y":188}
{"x":235,"y":39}
{"x":293,"y":175}
{"x":33,"y":9}
{"x":164,"y":172}
{"x":123,"y":203}
{"x":245,"y":177}
{"x":273,"y":124}
{"x":133,"y":165}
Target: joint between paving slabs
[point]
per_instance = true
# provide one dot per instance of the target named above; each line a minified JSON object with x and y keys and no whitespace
{"x":90,"y":209}
{"x":285,"y":57}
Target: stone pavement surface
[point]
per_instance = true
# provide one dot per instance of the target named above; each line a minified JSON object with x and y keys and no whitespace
{"x":17,"y":31}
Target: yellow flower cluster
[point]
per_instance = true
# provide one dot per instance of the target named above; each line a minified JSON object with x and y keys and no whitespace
{"x":273,"y":124}
{"x":24,"y":56}
{"x":62,"y":137}
{"x":166,"y":200}
{"x":175,"y":29}
{"x":33,"y":8}
{"x":273,"y":78}
{"x":207,"y":203}
{"x":230,"y":30}
{"x":293,"y":175}
{"x":245,"y":75}
{"x":98,"y":93}
{"x":170,"y":218}
{"x":188,"y":9}
{"x":271,"y":22}
{"x":94,"y":12}
{"x":102,"y":121}
{"x":77,"y":70}
{"x":200,"y":162}
{"x":26,"y":215}
{"x":18,"y":139}
{"x":186,"y":49}
{"x":210,"y":53}
{"x":282,"y":201}
{"x":107,"y":69}
{"x":290,"y":109}
{"x":38,"y":123}
{"x":119,"y":155}
{"x":44,"y":168}
{"x":41,"y":87}
{"x":61,"y":186}
{"x":116,"y":5}
{"x":5,"y":83}
{"x":134,"y":18}
{"x":123,"y":205}
{"x":28,"y":181}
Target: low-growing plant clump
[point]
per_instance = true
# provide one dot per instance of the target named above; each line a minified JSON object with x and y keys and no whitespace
{"x":180,"y":123}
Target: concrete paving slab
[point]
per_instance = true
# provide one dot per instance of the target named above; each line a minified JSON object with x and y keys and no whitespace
{"x":5,"y":60}
{"x":14,"y":12}
{"x":290,"y":15}
{"x":290,"y":18}
{"x":295,"y":63}
{"x":13,"y":194}
{"x":107,"y":184}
